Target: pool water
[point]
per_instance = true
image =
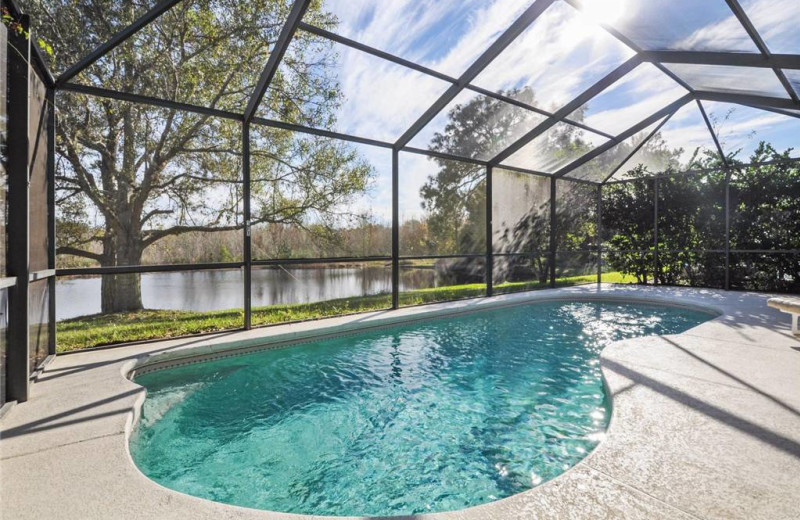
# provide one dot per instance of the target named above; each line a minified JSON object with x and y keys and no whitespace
{"x":432,"y":416}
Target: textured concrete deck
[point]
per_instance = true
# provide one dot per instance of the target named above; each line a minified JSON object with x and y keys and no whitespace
{"x":706,"y":424}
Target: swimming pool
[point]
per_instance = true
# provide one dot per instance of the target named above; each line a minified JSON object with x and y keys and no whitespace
{"x":430,"y":416}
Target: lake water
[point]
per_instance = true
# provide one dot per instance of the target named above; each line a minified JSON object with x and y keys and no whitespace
{"x":217,"y":290}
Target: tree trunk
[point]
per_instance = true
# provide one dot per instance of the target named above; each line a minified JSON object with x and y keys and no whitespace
{"x":123,"y":245}
{"x":121,"y":293}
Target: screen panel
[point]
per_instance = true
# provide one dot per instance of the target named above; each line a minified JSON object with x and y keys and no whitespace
{"x":520,"y":212}
{"x":683,"y":143}
{"x":741,"y":130}
{"x":576,"y":268}
{"x":519,"y":272}
{"x":286,"y":292}
{"x":727,"y":79}
{"x":771,"y":272}
{"x":576,"y":216}
{"x":173,"y":195}
{"x":76,"y":28}
{"x":708,"y":25}
{"x":442,"y":206}
{"x":627,"y":230}
{"x":765,"y":208}
{"x":327,"y":85}
{"x":38,"y":321}
{"x":475,"y":126}
{"x":188,"y":53}
{"x":555,"y":148}
{"x":691,"y":212}
{"x":439,"y":280}
{"x":38,"y":186}
{"x":315,"y":197}
{"x":692,"y":268}
{"x":794,"y":79}
{"x":775,"y":21}
{"x":639,"y":94}
{"x":601,"y":167}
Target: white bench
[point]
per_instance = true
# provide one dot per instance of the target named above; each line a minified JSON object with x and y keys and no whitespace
{"x":790,"y":306}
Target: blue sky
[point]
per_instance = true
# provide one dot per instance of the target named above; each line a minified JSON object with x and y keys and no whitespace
{"x":559,"y":56}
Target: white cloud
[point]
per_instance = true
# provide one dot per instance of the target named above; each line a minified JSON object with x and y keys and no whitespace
{"x":775,"y":20}
{"x":447,"y":36}
{"x":381,"y":99}
{"x":632,"y":99}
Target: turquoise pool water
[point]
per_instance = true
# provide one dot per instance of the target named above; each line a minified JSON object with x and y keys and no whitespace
{"x":432,"y":416}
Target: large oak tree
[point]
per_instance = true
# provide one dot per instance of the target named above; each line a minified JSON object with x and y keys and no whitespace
{"x":129,"y":175}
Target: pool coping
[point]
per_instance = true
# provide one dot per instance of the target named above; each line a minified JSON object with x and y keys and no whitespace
{"x":202,"y":353}
{"x":621,"y":495}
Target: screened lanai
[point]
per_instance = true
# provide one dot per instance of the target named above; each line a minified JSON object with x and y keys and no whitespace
{"x":209,"y":165}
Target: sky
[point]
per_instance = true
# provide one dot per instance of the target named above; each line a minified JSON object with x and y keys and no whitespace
{"x":561,"y":54}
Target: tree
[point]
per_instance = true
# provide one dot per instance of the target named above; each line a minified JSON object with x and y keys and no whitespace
{"x":691,"y":224}
{"x":130,"y":176}
{"x":765,"y":210}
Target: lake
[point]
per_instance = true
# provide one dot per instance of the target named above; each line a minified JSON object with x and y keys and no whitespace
{"x":218,"y":290}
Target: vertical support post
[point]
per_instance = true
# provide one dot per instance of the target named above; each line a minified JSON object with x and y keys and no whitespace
{"x":489,"y":233}
{"x":599,"y":234}
{"x":728,"y":230}
{"x":18,"y":261}
{"x":553,"y":229}
{"x":51,"y":217}
{"x":395,"y":230}
{"x":247,"y":249}
{"x":655,"y":231}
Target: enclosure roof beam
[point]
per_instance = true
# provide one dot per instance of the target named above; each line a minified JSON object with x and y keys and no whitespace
{"x":567,"y":109}
{"x":299,"y":9}
{"x":711,"y":131}
{"x":516,"y":28}
{"x":762,"y":46}
{"x":635,"y":129}
{"x":515,"y":102}
{"x":787,"y":113}
{"x":260,"y":121}
{"x":733,"y":59}
{"x":150,"y":101}
{"x":328,"y":35}
{"x":292,"y":127}
{"x":747,"y":99}
{"x":637,"y":148}
{"x":104,"y":48}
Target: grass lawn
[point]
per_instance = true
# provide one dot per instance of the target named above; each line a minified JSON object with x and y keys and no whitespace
{"x":99,"y":329}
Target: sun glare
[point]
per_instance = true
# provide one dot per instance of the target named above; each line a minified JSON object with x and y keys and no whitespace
{"x":604,"y":11}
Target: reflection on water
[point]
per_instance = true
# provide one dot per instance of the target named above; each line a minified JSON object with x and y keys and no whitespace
{"x":216,"y":290}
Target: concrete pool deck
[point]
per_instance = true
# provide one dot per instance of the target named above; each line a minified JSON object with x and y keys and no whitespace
{"x":706,"y":424}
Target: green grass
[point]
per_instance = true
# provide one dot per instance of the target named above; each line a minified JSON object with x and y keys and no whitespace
{"x":107,"y":329}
